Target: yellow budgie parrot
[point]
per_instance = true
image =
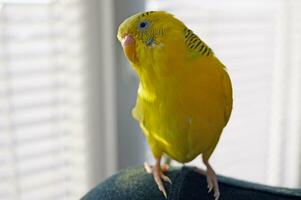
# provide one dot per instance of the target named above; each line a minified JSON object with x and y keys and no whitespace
{"x":184,"y":98}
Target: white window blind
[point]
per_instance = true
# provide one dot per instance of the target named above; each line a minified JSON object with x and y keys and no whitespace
{"x":285,"y":130}
{"x":42,"y":143}
{"x":244,"y":35}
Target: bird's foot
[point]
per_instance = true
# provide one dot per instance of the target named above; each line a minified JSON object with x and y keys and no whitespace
{"x":158,"y":176}
{"x":212,"y":183}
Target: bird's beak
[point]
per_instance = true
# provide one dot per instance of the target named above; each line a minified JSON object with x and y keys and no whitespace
{"x":129,"y":48}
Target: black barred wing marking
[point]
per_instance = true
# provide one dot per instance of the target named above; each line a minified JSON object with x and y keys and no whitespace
{"x":195,"y":44}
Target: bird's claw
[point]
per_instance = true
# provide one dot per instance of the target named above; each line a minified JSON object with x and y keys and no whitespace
{"x":209,"y":188}
{"x":162,"y":189}
{"x":212,"y":184}
{"x":165,"y":178}
{"x":211,"y":181}
{"x":158,"y":179}
{"x":158,"y":176}
{"x":148,"y":168}
{"x":216,"y":195}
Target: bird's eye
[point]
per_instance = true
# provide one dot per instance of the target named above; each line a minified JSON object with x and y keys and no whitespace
{"x":143,"y":25}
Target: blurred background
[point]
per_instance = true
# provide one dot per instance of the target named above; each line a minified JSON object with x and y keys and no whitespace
{"x":66,"y":92}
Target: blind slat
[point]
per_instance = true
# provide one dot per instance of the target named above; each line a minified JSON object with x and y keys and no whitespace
{"x":42,"y":100}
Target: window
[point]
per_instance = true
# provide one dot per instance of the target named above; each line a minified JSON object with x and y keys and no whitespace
{"x":258,"y":41}
{"x":42,"y":126}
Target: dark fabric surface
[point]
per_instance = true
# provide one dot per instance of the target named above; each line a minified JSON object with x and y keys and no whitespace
{"x":135,"y":184}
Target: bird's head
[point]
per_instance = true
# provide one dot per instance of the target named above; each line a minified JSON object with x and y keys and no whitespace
{"x":148,"y":35}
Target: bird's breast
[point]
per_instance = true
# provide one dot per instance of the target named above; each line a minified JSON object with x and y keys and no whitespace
{"x":184,"y":113}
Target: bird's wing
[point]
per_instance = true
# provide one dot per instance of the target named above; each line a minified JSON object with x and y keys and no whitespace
{"x":195,"y":46}
{"x":227,"y":88}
